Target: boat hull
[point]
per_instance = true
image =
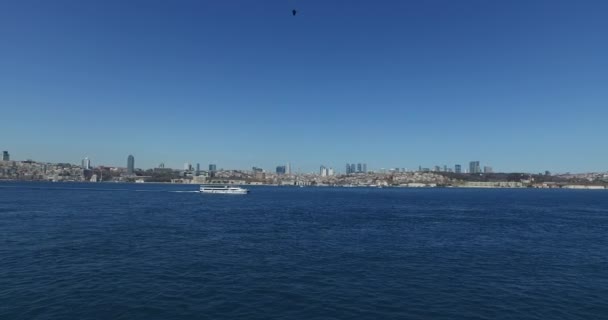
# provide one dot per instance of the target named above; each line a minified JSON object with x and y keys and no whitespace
{"x":224,"y":190}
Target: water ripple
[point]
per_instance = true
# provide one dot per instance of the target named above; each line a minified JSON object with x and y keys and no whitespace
{"x":72,"y":253}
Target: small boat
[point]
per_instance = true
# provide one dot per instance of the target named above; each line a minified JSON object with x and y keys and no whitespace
{"x":223,"y":190}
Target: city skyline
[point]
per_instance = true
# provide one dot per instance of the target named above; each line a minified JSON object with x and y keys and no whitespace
{"x":517,"y":85}
{"x":475,"y":167}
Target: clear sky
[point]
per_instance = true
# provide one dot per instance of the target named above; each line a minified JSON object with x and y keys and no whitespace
{"x":518,"y":85}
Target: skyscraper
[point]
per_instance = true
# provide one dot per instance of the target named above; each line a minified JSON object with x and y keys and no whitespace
{"x":130,"y":165}
{"x":458,"y":168}
{"x":212,"y":168}
{"x":198,"y":169}
{"x":86,"y":163}
{"x":6,"y":156}
{"x":323,"y":171}
{"x":359,"y":167}
{"x":353,"y":168}
{"x":281,"y":170}
{"x":364,"y":168}
{"x":487,"y":169}
{"x":288,"y":168}
{"x":330,"y":171}
{"x":348,"y":169}
{"x":474,"y":167}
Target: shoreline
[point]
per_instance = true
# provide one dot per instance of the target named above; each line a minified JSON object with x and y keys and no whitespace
{"x":564,"y":187}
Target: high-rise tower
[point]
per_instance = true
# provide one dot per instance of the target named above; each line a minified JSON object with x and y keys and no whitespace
{"x":130,"y":165}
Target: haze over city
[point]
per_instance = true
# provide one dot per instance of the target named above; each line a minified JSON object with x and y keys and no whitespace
{"x":518,"y":85}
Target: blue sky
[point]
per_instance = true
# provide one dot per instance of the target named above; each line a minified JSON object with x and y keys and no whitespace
{"x":518,"y":85}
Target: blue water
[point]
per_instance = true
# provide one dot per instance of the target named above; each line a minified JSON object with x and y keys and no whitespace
{"x":133,"y":251}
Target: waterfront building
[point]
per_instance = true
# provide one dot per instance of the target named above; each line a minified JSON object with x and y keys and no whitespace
{"x":474,"y":167}
{"x":130,"y":165}
{"x":458,"y":168}
{"x":6,"y":156}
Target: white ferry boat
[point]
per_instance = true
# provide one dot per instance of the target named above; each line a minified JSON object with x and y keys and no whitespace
{"x":223,"y":189}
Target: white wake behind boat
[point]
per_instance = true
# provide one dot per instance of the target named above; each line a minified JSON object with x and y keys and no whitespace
{"x":223,"y":190}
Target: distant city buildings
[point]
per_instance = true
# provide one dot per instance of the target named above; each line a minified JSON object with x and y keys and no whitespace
{"x":130,"y":165}
{"x":258,"y":173}
{"x":474,"y":167}
{"x":212,"y":170}
{"x":356,"y":168}
{"x":326,"y":172}
{"x":6,"y":156}
{"x":198,"y":169}
{"x":281,"y":170}
{"x":288,"y":168}
{"x":86,"y":163}
{"x":30,"y":170}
